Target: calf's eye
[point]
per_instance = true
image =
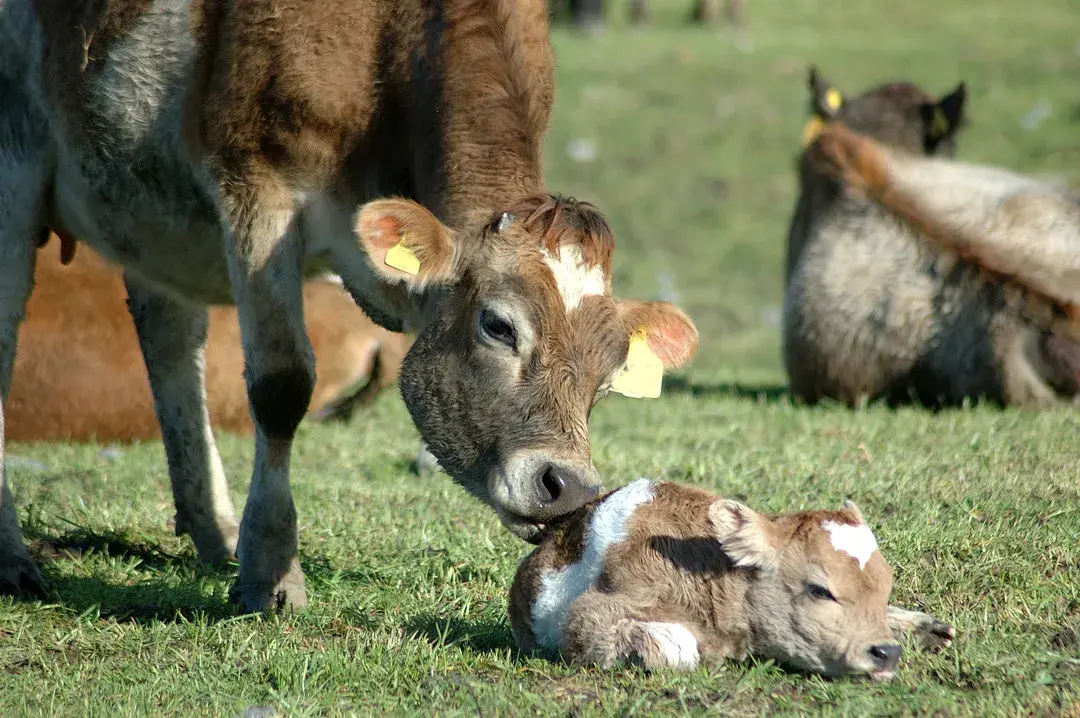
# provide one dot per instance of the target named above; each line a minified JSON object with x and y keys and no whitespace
{"x":498,"y":329}
{"x":819,"y":592}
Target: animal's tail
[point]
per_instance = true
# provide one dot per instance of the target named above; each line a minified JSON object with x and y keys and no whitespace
{"x":1018,"y":233}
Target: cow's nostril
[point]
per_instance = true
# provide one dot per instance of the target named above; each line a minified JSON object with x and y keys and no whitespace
{"x":551,"y":485}
{"x":886,"y":655}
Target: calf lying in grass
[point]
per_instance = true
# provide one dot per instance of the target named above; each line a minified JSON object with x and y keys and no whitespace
{"x":670,"y":576}
{"x":79,"y":374}
{"x":887,"y":292}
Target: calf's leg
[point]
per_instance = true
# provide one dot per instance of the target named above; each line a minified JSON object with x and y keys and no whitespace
{"x":265,"y":252}
{"x":928,"y":632}
{"x":600,"y":629}
{"x":23,"y":178}
{"x":172,"y":334}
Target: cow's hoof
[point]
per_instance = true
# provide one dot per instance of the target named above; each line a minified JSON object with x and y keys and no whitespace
{"x":215,"y":542}
{"x":932,"y":634}
{"x":288,"y":593}
{"x":20,"y":577}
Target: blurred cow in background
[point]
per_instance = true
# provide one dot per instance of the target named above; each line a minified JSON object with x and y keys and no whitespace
{"x":589,"y":14}
{"x":912,"y":276}
{"x":79,"y":374}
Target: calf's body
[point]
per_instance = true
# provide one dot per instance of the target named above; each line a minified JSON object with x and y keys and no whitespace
{"x":671,"y":576}
{"x":221,"y":152}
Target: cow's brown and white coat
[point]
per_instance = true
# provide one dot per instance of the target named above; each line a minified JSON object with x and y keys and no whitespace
{"x":671,"y":576}
{"x":222,"y":151}
{"x":887,"y":291}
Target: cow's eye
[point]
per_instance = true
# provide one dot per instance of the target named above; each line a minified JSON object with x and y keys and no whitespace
{"x":498,"y":329}
{"x":819,"y":592}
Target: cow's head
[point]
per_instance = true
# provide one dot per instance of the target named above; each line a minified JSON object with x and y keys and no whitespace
{"x":522,"y":338}
{"x":818,"y":597}
{"x":898,"y":114}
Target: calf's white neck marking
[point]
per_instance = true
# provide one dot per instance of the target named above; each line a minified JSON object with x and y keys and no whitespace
{"x":574,"y":279}
{"x":559,"y":588}
{"x":856,"y":541}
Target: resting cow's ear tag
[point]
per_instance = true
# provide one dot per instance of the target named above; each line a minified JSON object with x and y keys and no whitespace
{"x":401,"y":257}
{"x":812,"y":129}
{"x":939,"y":126}
{"x":833,"y":100}
{"x":643,"y":374}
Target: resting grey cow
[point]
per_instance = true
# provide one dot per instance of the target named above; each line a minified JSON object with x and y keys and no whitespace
{"x":222,"y":151}
{"x":880,"y":304}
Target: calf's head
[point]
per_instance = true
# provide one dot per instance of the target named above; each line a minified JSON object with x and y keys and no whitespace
{"x":522,"y":338}
{"x":898,"y":114}
{"x":818,"y":590}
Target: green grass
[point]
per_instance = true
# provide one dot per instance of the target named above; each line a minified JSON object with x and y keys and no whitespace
{"x":977,"y":510}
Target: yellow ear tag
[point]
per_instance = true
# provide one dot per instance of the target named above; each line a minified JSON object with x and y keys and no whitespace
{"x":833,"y":99}
{"x":939,"y":126}
{"x":401,"y":257}
{"x":643,"y":374}
{"x":812,"y":129}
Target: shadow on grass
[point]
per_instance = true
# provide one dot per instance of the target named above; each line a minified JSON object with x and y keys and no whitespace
{"x":763,"y":394}
{"x":477,"y":636}
{"x":160,"y":596}
{"x":80,"y":541}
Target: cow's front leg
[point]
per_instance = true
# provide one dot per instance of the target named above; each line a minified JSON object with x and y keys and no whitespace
{"x":929,"y":633}
{"x":24,"y":165}
{"x":265,"y":252}
{"x":172,"y":334}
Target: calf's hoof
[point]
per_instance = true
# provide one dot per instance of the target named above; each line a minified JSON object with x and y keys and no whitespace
{"x":928,"y":633}
{"x":20,"y":577}
{"x":264,"y":597}
{"x":932,"y":635}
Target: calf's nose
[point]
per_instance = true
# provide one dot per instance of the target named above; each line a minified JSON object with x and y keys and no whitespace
{"x":561,"y":491}
{"x":886,"y":656}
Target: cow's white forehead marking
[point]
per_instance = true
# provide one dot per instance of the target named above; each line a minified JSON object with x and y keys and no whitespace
{"x":574,"y":279}
{"x":856,"y":541}
{"x":559,"y":588}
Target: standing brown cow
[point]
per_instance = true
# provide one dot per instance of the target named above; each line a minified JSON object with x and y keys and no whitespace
{"x":877,"y":308}
{"x":222,"y":151}
{"x":79,"y":374}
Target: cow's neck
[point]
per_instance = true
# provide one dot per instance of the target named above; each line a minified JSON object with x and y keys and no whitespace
{"x":491,"y":106}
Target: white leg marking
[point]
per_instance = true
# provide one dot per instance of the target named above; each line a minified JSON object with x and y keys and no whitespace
{"x":561,"y":587}
{"x":678,"y":645}
{"x":574,"y":279}
{"x":856,"y":541}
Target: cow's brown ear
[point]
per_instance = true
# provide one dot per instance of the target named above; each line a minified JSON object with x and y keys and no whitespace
{"x":744,"y":534}
{"x":669,"y":332}
{"x":406,"y":243}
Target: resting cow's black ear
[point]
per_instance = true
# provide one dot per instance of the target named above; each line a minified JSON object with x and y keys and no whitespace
{"x":825,"y":98}
{"x":943,"y":119}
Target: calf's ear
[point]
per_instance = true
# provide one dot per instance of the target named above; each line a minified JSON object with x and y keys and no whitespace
{"x":743,"y":534}
{"x":406,"y":243}
{"x":668,"y":331}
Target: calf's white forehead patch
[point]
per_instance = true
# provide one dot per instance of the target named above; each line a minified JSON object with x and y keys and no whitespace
{"x":559,"y":588}
{"x":856,"y":541}
{"x":574,"y":279}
